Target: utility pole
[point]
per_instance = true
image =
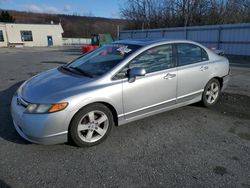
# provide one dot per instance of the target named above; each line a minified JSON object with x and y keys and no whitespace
{"x":142,"y":26}
{"x":118,"y":32}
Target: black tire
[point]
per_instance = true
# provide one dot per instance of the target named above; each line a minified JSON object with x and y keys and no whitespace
{"x":204,"y":100}
{"x":73,"y":128}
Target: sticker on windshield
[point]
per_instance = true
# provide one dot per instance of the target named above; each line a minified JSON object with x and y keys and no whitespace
{"x":124,"y":50}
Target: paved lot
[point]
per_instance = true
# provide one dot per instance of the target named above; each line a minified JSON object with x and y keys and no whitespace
{"x":187,"y":147}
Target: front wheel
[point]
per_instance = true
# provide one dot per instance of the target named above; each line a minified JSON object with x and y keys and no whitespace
{"x":91,"y":125}
{"x":211,"y":93}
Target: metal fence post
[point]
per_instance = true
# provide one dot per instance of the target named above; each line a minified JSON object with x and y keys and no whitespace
{"x":218,"y":38}
{"x":163,"y":33}
{"x":186,"y":33}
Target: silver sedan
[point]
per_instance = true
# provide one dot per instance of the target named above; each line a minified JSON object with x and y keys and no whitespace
{"x":116,"y":84}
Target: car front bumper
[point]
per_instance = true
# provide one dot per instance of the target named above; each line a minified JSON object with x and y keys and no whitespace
{"x":40,"y":128}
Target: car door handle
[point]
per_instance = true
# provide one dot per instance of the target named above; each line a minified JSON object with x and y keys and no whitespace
{"x":203,"y":68}
{"x":169,"y":76}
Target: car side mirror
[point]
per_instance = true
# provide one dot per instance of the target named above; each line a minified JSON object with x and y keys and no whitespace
{"x":135,"y":72}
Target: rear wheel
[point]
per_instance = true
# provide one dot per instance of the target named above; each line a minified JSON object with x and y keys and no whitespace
{"x":211,"y":93}
{"x":91,"y":125}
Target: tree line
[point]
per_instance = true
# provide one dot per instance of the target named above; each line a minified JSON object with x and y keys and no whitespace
{"x":73,"y":26}
{"x":6,"y":17}
{"x":146,"y":14}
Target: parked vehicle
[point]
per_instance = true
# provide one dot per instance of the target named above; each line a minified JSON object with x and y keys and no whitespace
{"x":116,"y":84}
{"x":97,"y":40}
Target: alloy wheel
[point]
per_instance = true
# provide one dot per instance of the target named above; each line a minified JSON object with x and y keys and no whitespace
{"x":93,"y":126}
{"x":212,"y":92}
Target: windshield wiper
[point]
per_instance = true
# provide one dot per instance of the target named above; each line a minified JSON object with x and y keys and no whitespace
{"x":82,"y":72}
{"x":76,"y":69}
{"x":67,"y":68}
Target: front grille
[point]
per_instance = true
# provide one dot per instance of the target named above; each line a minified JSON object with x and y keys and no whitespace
{"x":22,"y":102}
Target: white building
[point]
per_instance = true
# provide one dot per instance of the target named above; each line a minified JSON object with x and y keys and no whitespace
{"x":12,"y":34}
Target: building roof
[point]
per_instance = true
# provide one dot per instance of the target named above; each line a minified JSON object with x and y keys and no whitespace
{"x":10,"y":23}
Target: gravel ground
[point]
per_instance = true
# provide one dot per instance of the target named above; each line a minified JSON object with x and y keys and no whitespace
{"x":187,"y":147}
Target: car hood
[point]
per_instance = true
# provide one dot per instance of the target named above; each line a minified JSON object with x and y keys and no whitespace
{"x":53,"y":86}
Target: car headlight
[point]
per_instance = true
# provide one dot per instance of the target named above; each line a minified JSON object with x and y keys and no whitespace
{"x":45,"y":108}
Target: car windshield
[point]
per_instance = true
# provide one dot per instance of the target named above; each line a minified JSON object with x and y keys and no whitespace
{"x":102,"y":60}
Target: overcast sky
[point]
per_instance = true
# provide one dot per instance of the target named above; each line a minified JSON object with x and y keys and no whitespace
{"x":102,"y":8}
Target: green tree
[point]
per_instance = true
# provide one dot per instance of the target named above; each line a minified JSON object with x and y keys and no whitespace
{"x":6,"y":17}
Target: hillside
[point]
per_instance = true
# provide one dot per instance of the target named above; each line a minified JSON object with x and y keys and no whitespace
{"x":74,"y":26}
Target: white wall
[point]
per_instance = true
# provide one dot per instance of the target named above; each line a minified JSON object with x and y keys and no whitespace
{"x":5,"y":43}
{"x":76,"y":41}
{"x":39,"y":33}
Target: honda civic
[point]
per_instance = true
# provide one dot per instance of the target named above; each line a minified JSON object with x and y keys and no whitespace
{"x":116,"y":84}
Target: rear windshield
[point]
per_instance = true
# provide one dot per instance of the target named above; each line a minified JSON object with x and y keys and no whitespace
{"x":103,"y":59}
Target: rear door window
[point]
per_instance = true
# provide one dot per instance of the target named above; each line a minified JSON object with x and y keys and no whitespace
{"x":190,"y":53}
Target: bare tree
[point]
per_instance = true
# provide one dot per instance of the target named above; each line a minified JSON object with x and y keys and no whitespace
{"x":165,"y":13}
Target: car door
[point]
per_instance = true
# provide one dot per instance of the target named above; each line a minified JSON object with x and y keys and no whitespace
{"x":193,"y":71}
{"x":155,"y":90}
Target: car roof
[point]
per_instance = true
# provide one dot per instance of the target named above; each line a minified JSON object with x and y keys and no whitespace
{"x":147,"y":41}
